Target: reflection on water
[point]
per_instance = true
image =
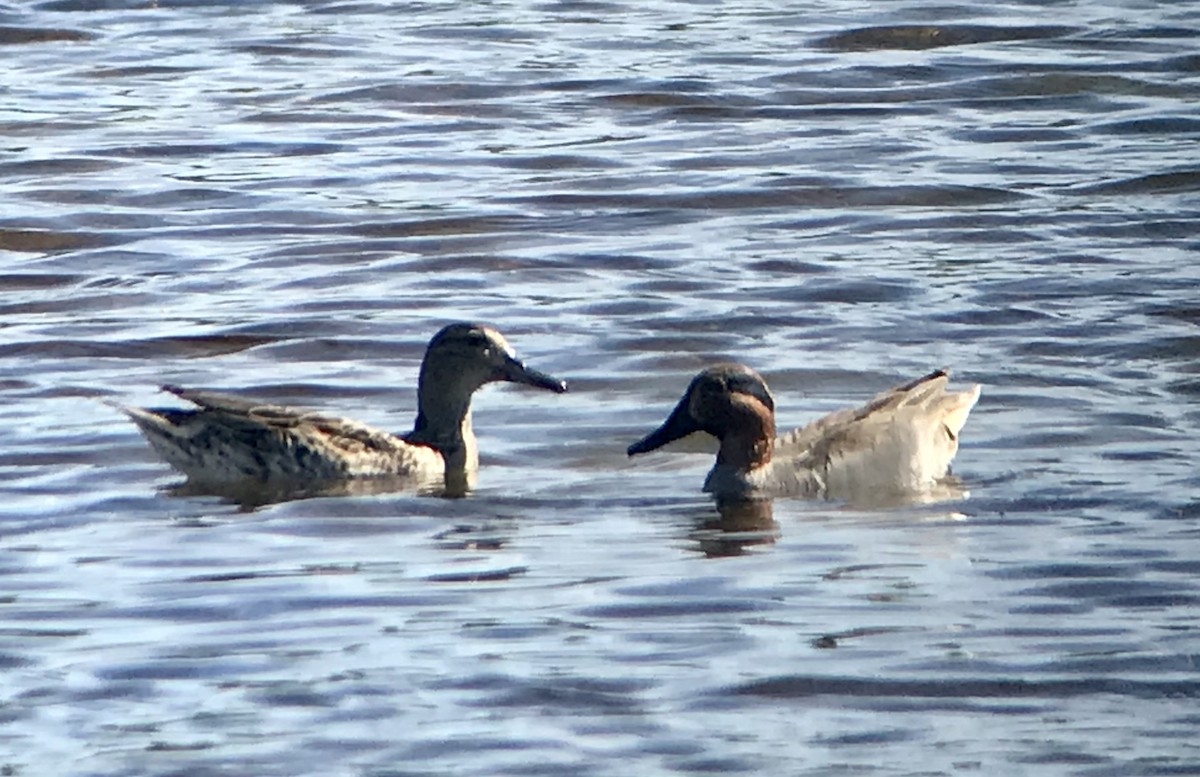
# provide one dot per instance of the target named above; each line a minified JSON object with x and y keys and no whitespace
{"x":285,"y":199}
{"x":736,"y":526}
{"x":251,"y":494}
{"x":729,"y":527}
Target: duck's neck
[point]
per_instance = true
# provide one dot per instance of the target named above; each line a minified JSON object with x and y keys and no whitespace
{"x":444,"y":420}
{"x":748,"y":445}
{"x":452,"y":437}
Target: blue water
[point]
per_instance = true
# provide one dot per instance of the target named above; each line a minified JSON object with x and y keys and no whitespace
{"x":288,"y":199}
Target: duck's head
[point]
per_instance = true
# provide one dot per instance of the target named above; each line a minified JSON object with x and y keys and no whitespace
{"x":471,"y":355}
{"x":729,"y":401}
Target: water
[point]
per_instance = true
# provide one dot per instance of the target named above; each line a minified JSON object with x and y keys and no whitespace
{"x":289,"y":198}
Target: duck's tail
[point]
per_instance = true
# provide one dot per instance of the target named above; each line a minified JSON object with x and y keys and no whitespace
{"x":153,"y":423}
{"x":956,"y":407}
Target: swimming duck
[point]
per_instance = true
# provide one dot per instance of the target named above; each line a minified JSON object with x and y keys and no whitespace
{"x":230,"y":439}
{"x":900,"y":442}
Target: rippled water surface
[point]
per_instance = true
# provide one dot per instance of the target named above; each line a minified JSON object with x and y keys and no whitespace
{"x":288,"y":199}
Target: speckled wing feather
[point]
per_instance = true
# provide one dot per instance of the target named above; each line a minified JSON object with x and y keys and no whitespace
{"x":230,"y":438}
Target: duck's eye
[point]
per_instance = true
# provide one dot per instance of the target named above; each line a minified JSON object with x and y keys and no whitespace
{"x":477,"y":340}
{"x":749,"y":385}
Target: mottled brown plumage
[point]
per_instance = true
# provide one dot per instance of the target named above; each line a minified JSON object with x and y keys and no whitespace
{"x":228,"y":439}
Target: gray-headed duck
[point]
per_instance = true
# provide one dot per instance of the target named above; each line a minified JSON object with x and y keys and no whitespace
{"x":901,"y":442}
{"x":229,"y":439}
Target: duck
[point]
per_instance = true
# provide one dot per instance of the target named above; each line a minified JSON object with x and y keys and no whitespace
{"x":900,"y":442}
{"x":225,"y":439}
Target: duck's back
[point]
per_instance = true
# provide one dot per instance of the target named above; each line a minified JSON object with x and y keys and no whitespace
{"x":903,"y":440}
{"x":227,"y":438}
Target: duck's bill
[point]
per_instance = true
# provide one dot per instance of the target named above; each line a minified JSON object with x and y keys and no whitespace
{"x":516,"y":372}
{"x":678,"y":425}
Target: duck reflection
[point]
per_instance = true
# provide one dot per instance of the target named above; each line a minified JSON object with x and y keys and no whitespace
{"x":736,"y":526}
{"x":251,"y":494}
{"x":732,"y":527}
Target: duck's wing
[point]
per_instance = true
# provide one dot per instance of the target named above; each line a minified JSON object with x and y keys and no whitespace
{"x":221,"y":403}
{"x":918,"y":392}
{"x":902,"y":439}
{"x":230,"y":438}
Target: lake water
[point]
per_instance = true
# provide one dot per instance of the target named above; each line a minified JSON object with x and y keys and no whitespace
{"x":286,"y":199}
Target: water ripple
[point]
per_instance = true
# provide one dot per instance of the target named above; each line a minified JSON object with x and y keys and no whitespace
{"x":286,"y":200}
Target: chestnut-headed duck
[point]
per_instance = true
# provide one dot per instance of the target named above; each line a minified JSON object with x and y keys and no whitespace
{"x":901,"y":442}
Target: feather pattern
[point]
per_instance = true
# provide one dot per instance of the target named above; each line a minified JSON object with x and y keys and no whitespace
{"x":228,"y":439}
{"x":901,"y":441}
